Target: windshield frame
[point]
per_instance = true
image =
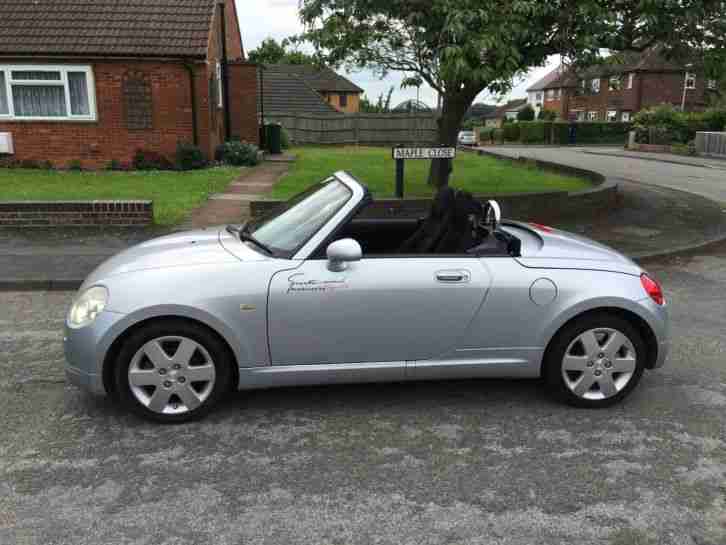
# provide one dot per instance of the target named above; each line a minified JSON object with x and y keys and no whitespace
{"x":305,"y":249}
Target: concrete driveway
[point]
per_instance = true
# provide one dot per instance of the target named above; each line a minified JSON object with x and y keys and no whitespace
{"x":708,"y":180}
{"x":470,"y":462}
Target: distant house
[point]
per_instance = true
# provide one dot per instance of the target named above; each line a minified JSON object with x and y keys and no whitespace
{"x":536,"y":93}
{"x":97,"y":80}
{"x":508,"y":111}
{"x":626,"y":84}
{"x":339,"y":92}
{"x":285,"y":92}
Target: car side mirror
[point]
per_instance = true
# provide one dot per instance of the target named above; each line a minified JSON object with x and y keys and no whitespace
{"x":341,"y":252}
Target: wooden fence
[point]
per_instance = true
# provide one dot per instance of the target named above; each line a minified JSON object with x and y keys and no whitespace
{"x":711,"y":143}
{"x":364,"y":129}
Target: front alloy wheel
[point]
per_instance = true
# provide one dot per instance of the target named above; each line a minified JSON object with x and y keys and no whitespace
{"x":595,"y":360}
{"x":172,"y":371}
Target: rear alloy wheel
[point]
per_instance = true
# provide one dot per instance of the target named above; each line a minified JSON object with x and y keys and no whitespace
{"x":596,"y":361}
{"x":172,"y":371}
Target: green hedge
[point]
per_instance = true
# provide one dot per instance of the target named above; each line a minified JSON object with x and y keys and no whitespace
{"x":666,"y":125}
{"x":510,"y":132}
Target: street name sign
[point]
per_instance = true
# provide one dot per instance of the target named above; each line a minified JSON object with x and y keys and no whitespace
{"x":424,"y":153}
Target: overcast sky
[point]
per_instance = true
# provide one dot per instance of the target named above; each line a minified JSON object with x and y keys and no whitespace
{"x":260,"y":19}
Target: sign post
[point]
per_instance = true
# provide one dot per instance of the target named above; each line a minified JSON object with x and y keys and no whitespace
{"x":400,"y":154}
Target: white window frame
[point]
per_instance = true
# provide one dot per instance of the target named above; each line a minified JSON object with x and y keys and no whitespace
{"x":615,"y":83}
{"x":220,"y":95}
{"x":595,"y":86}
{"x":612,"y":116}
{"x":625,"y":117}
{"x":593,"y":115}
{"x":63,"y":69}
{"x":712,"y":84}
{"x":690,"y":82}
{"x":631,"y":80}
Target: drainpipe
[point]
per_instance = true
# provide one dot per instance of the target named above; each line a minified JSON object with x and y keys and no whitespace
{"x":225,"y":78}
{"x":193,"y":93}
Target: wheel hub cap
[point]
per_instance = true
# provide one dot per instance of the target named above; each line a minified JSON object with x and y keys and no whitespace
{"x":599,"y":363}
{"x":171,"y":375}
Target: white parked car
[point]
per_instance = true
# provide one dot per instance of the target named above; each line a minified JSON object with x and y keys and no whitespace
{"x":467,"y":138}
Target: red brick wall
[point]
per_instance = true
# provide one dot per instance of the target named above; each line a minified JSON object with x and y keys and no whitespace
{"x":668,"y":88}
{"x":45,"y":213}
{"x":243,"y":102}
{"x":96,"y":143}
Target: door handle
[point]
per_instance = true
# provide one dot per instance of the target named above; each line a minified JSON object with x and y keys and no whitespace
{"x":453,"y":277}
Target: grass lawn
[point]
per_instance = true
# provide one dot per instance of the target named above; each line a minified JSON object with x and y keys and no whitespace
{"x":174,"y":194}
{"x":375,"y":168}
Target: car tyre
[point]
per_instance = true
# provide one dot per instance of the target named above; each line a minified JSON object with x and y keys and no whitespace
{"x":584,"y":352}
{"x":172,"y":371}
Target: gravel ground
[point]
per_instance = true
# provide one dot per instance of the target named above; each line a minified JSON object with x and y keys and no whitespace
{"x":468,"y":462}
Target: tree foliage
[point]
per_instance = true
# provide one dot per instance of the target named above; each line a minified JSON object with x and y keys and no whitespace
{"x":463,"y":47}
{"x":270,"y":51}
{"x":526,"y":114}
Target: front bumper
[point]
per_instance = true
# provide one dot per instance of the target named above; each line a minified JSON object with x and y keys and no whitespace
{"x":85,"y":351}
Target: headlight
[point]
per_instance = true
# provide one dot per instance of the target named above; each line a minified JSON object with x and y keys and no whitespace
{"x":87,"y":306}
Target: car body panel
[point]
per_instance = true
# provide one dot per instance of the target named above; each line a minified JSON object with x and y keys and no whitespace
{"x":294,"y":321}
{"x":386,"y":309}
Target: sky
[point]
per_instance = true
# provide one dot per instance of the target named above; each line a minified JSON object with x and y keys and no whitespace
{"x":278,"y":19}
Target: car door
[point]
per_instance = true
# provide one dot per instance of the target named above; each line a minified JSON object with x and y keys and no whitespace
{"x":377,"y":310}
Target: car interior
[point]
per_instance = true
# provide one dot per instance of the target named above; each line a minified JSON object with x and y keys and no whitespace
{"x":456,"y":225}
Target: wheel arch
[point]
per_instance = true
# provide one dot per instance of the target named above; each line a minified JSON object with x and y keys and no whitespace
{"x":113,"y":350}
{"x":637,"y":321}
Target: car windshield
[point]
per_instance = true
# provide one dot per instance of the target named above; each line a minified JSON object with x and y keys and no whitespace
{"x":291,"y":225}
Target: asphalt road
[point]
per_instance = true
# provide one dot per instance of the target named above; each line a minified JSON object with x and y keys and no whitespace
{"x":708,"y":180}
{"x":470,"y":462}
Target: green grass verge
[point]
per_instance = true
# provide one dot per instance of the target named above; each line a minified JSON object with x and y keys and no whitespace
{"x":375,"y":168}
{"x":174,"y":194}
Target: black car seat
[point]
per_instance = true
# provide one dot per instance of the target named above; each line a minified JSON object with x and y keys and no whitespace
{"x":428,"y":235}
{"x":463,"y":232}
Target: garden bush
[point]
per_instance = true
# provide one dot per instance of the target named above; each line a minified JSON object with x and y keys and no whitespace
{"x":151,"y":160}
{"x":534,"y":132}
{"x":284,"y":139}
{"x":239,"y":153}
{"x":666,"y":125}
{"x":189,"y":157}
{"x":510,"y":132}
{"x":75,"y":164}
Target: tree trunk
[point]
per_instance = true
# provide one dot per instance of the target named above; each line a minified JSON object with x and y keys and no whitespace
{"x":449,"y":123}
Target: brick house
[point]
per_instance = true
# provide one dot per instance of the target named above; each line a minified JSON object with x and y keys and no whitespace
{"x":618,"y":89}
{"x":96,"y":80}
{"x":339,"y":92}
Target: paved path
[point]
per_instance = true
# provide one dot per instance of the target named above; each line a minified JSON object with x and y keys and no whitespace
{"x":469,"y":463}
{"x":232,"y":206}
{"x":707,"y":182}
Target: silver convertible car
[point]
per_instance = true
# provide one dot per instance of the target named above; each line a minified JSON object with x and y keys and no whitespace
{"x":319,"y":292}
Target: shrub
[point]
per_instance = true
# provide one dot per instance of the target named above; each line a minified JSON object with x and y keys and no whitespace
{"x":526,"y":114}
{"x":533,"y":132}
{"x":547,"y":115}
{"x":114,"y":164}
{"x":284,"y":139}
{"x":189,"y":157}
{"x":510,"y":132}
{"x":30,"y":164}
{"x":46,"y":165}
{"x":240,"y":153}
{"x":150,"y":160}
{"x":75,"y":164}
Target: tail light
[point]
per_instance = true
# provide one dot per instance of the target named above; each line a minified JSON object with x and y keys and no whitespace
{"x":653,"y":289}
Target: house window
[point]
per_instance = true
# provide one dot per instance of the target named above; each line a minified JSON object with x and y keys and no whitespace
{"x":614,"y":84}
{"x":220,"y":95}
{"x":583,"y":86}
{"x":612,"y":116}
{"x":690,"y":80}
{"x":540,"y":97}
{"x":595,"y":86}
{"x":631,"y":79}
{"x":343,"y":100}
{"x":625,"y":117}
{"x":45,"y":92}
{"x":558,"y":94}
{"x":711,"y":85}
{"x":592,"y":116}
{"x":550,"y":94}
{"x":581,"y":116}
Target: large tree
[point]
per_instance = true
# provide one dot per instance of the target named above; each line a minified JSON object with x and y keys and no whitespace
{"x":463,"y":47}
